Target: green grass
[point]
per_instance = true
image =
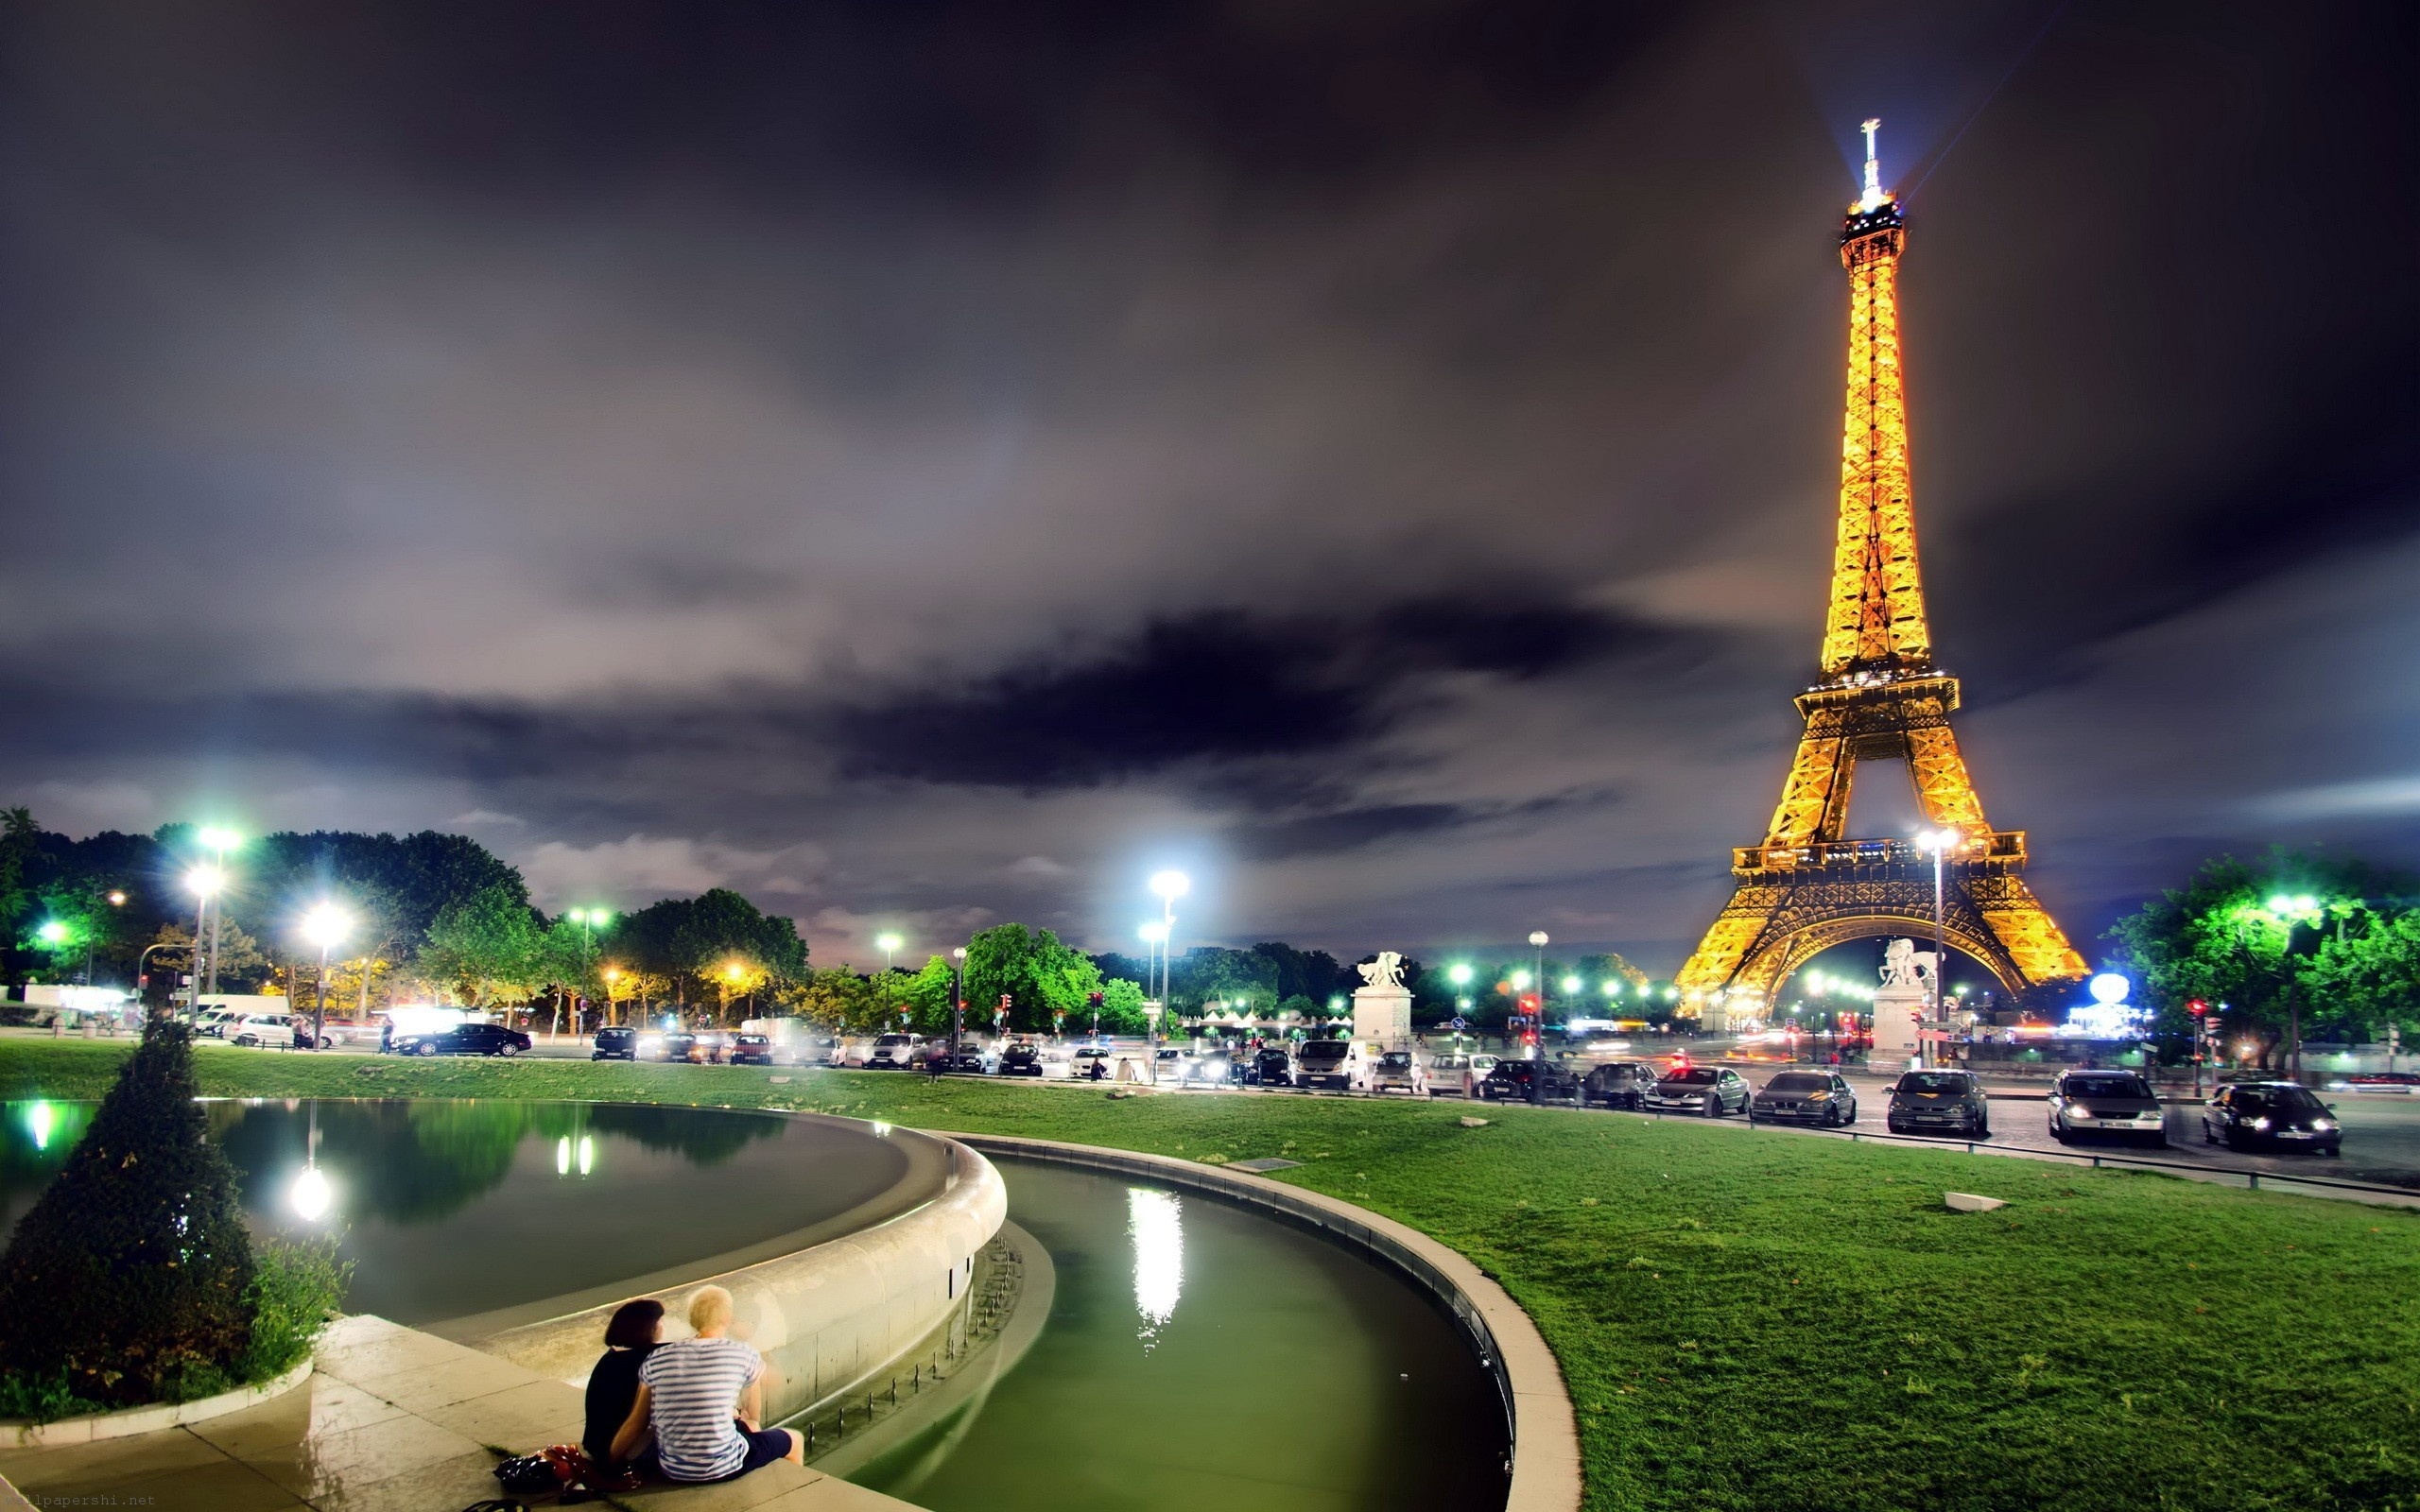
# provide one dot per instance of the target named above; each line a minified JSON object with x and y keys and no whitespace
{"x":1749,"y":1321}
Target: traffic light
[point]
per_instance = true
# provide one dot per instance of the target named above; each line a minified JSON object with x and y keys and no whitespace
{"x":2197,"y":1008}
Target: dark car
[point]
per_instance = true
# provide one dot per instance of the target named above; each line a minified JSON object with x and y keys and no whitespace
{"x":1023,"y":1059}
{"x":1948,"y":1102}
{"x":1272,"y":1067}
{"x":1617,"y":1083}
{"x":1707,"y":1090}
{"x":751,"y":1050}
{"x":678,"y":1044}
{"x":615,"y":1045}
{"x":1805,"y":1097}
{"x":972,"y":1060}
{"x":2105,"y":1102}
{"x":464,"y":1040}
{"x":2279,"y":1114}
{"x":1530,"y":1081}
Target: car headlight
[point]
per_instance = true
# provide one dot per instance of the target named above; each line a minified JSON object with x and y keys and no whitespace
{"x":2260,"y":1123}
{"x":2323,"y":1124}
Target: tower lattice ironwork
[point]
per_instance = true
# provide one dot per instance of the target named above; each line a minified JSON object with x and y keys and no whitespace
{"x":1807,"y":887}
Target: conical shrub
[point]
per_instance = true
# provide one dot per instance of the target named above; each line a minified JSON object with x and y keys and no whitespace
{"x":128,"y":1278}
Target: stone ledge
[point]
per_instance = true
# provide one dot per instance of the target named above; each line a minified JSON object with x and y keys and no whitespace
{"x":16,"y":1432}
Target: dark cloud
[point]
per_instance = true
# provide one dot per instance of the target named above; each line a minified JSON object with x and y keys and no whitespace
{"x":942,"y":459}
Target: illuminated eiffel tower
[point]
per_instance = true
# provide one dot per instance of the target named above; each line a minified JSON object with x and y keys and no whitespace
{"x":1806,"y":888}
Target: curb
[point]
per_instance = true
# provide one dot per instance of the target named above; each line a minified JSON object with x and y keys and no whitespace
{"x":1539,"y":1421}
{"x":125,"y":1422}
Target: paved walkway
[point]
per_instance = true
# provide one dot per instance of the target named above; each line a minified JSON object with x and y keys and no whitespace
{"x":391,"y":1421}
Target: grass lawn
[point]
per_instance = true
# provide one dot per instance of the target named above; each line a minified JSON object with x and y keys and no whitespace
{"x":1747,"y":1321}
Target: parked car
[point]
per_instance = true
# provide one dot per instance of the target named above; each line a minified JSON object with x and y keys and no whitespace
{"x":2376,"y":1081}
{"x":893,"y":1052}
{"x":1617,"y":1083}
{"x":270,"y":1031}
{"x":1951,"y":1102}
{"x":1805,"y":1097}
{"x":1398,"y":1071}
{"x":348,"y":1031}
{"x":672,"y":1044}
{"x":1272,"y":1066}
{"x":1475,"y":1071}
{"x":1021,"y":1057}
{"x":1093,"y":1063}
{"x":464,"y":1040}
{"x":2279,"y":1114}
{"x":1324,"y":1063}
{"x":2105,"y":1102}
{"x":212,"y":1024}
{"x":1708,"y":1090}
{"x":751,"y":1050}
{"x":1530,"y":1081}
{"x":615,"y":1043}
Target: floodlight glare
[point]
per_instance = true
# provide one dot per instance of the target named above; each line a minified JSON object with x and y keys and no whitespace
{"x":215,"y":838}
{"x":326,"y":924}
{"x":52,"y":933}
{"x":311,"y":1196}
{"x":204,"y":881}
{"x":888,"y":943}
{"x":1152,"y":931}
{"x":1459,"y":973}
{"x":1170,"y":885}
{"x":2107,"y":987}
{"x":1571,"y":985}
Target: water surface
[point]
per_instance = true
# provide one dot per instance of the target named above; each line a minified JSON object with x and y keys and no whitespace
{"x":450,"y":1208}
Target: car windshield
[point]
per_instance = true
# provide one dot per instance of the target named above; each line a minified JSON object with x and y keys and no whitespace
{"x":2107,"y":1087}
{"x":2282,"y":1099}
{"x":885,"y":1043}
{"x":1798,"y":1081}
{"x":1395,"y":1060}
{"x":1693,"y":1076}
{"x":1932,"y":1081}
{"x":1323,"y":1050}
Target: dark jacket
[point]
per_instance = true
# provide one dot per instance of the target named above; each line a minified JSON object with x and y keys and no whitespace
{"x":611,"y":1387}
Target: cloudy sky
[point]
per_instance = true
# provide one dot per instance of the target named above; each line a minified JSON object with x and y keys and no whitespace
{"x":929,"y":464}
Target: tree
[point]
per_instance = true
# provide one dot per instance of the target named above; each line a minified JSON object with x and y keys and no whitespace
{"x":128,"y":1279}
{"x":1121,"y":1006}
{"x":694,"y":940}
{"x":1039,"y":975}
{"x":487,"y":948}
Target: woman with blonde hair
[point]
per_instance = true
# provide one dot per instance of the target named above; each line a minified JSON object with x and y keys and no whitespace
{"x":703,"y":1398}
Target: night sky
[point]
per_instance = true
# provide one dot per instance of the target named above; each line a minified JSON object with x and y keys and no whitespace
{"x":929,"y":465}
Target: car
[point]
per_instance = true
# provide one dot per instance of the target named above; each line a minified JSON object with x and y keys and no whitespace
{"x":1949,"y":1102}
{"x":1324,"y":1063}
{"x":346,"y":1031}
{"x":2281,"y":1114}
{"x":751,"y":1050}
{"x":1709,"y":1092}
{"x":464,"y":1040}
{"x":1530,"y":1081}
{"x":894,"y":1051}
{"x":212,"y":1024}
{"x":1213,"y":1067}
{"x":1272,"y":1066}
{"x":2377,"y":1081}
{"x":1398,"y":1071}
{"x":615,"y":1043}
{"x":1476,"y":1073}
{"x":1617,"y":1083}
{"x":1093,"y":1063}
{"x":271,"y":1031}
{"x":2105,"y":1102}
{"x":672,"y":1044}
{"x":1821,"y":1098}
{"x":1020,"y":1058}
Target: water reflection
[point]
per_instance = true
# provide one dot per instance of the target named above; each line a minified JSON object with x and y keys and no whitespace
{"x":452,"y":1209}
{"x":1155,"y":1223}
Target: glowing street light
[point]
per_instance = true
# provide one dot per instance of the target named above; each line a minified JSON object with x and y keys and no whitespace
{"x":1458,"y":973}
{"x":1571,"y":986}
{"x":889,"y":944}
{"x":311,"y":1196}
{"x":1167,"y":886}
{"x":52,"y":933}
{"x":325,"y":926}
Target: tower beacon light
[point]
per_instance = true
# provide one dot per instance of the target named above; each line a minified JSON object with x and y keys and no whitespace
{"x":1874,"y":196}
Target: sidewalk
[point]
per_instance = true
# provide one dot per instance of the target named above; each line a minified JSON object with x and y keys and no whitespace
{"x":391,"y":1421}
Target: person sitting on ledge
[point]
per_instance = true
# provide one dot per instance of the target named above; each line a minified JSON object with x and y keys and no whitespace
{"x":635,"y":1333}
{"x":703,"y":1398}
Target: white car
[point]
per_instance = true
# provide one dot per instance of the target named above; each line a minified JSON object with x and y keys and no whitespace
{"x":1397,"y":1071}
{"x":270,"y":1031}
{"x":895,"y":1052}
{"x":1475,"y":1071}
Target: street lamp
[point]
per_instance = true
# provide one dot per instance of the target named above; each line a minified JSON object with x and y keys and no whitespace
{"x":1169,"y":886}
{"x":323,"y":926}
{"x":889,"y":944}
{"x":218,"y":840}
{"x":612,"y":975}
{"x":957,"y":1001}
{"x":589,"y":921}
{"x":2284,"y":912}
{"x":1938,"y":844}
{"x":204,"y":882}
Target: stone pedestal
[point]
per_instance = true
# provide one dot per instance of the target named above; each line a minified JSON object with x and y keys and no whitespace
{"x":1382,"y":1015}
{"x":1894,"y":1025}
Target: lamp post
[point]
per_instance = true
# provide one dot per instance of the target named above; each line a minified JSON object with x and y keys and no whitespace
{"x":889,"y":944}
{"x":589,"y":921}
{"x":1538,"y":974}
{"x":957,"y":1001}
{"x":220,"y":842}
{"x":2282,"y":914}
{"x":1169,"y":886}
{"x":204,"y":881}
{"x":1937,"y":842}
{"x":323,"y":926}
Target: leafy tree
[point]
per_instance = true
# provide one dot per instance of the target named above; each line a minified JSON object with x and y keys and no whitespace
{"x":692,"y":941}
{"x":837,"y":999}
{"x":1121,"y":1006}
{"x":126,"y":1281}
{"x":487,"y":948}
{"x":243,"y":966}
{"x":1039,"y":975}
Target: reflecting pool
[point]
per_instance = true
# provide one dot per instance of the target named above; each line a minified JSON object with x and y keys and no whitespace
{"x":456,"y":1207}
{"x":1203,"y":1356}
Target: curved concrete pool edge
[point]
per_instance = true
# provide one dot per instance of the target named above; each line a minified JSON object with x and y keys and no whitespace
{"x":1544,"y":1430}
{"x":827,"y":1316}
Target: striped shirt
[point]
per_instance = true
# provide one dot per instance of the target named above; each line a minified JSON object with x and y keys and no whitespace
{"x":694,"y":1387}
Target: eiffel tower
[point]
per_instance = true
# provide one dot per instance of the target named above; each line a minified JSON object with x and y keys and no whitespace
{"x":1806,"y":887}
